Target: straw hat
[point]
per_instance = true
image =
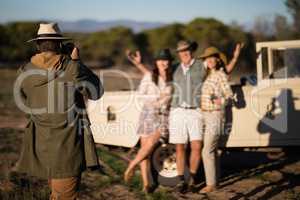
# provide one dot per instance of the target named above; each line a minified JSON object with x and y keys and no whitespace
{"x":213,"y":51}
{"x":49,"y":31}
{"x":184,"y":45}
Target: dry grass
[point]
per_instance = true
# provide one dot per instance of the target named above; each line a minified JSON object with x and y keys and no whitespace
{"x":246,"y":175}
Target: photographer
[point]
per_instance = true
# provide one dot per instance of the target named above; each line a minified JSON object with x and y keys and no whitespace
{"x":57,"y":143}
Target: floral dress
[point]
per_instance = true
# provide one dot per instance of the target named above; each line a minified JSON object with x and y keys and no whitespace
{"x":155,"y":112}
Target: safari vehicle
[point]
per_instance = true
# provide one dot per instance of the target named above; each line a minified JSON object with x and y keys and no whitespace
{"x":265,"y":112}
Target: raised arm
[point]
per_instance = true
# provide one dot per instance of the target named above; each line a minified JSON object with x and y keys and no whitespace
{"x":87,"y":82}
{"x":236,"y":54}
{"x":136,"y":60}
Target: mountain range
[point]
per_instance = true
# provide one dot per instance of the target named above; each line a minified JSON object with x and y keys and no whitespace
{"x":87,"y":25}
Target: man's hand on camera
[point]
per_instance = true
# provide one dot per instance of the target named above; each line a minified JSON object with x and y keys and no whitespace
{"x":75,"y":54}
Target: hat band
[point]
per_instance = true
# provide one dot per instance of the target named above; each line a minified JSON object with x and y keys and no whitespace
{"x":49,"y":35}
{"x":183,"y":47}
{"x":163,"y":58}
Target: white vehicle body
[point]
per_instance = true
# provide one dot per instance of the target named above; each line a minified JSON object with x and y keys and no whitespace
{"x":268,"y":113}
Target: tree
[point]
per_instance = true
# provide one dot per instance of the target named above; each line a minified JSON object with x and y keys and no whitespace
{"x":15,"y":47}
{"x":3,"y":42}
{"x":164,"y":37}
{"x":294,"y":9}
{"x":282,"y":28}
{"x":208,"y":32}
{"x":263,"y":28}
{"x":108,"y":46}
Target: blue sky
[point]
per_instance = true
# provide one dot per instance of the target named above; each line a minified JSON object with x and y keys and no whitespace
{"x":242,"y":11}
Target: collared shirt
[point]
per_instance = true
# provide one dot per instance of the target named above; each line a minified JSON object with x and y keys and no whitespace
{"x":185,"y":68}
{"x":215,"y":86}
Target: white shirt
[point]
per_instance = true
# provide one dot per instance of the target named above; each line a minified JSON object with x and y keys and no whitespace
{"x":185,"y":68}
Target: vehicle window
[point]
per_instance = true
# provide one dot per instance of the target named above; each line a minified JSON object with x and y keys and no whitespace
{"x":286,"y":63}
{"x":264,"y":59}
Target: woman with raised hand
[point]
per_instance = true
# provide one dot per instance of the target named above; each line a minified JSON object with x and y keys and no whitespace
{"x":215,"y":93}
{"x":156,"y":89}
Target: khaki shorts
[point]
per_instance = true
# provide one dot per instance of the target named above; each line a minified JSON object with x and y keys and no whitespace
{"x":185,"y":125}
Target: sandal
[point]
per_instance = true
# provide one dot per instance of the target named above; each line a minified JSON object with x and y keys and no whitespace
{"x":208,"y":189}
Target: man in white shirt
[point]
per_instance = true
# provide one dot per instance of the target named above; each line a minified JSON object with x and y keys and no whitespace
{"x":185,"y":117}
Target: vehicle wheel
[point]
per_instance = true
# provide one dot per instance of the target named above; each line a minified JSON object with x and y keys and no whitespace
{"x":163,"y":165}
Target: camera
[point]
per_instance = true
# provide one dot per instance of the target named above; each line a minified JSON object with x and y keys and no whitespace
{"x":67,"y":48}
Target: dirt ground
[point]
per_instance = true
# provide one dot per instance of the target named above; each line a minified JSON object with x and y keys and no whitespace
{"x":245,"y":174}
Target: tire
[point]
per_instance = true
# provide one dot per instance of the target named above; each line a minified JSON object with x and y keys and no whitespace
{"x":163,"y":165}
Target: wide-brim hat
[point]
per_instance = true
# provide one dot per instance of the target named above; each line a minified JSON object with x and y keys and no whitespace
{"x":163,"y":54}
{"x":184,"y":45}
{"x":49,"y":31}
{"x":213,"y":51}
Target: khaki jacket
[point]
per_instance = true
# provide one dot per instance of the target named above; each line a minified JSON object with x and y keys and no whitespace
{"x":57,"y":142}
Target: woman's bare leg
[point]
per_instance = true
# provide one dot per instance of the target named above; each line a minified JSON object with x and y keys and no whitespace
{"x":144,"y":165}
{"x":144,"y":172}
{"x":145,"y":150}
{"x":147,"y":145}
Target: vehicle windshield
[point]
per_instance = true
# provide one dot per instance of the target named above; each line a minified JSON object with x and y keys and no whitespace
{"x":286,"y":63}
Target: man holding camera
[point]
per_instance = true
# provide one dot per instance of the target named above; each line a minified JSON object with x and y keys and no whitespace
{"x":57,"y":143}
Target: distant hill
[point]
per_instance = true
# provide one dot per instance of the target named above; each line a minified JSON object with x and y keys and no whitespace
{"x":94,"y":25}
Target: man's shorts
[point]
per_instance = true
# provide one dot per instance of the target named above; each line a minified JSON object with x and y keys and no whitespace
{"x":185,"y":125}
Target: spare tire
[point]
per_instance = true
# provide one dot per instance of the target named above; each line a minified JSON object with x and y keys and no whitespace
{"x":163,"y":165}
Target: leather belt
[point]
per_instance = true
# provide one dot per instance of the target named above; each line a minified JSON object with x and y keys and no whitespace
{"x":188,"y":108}
{"x":210,"y":110}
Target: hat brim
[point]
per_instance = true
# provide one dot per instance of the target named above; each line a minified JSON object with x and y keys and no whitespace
{"x":164,"y":58}
{"x":49,"y":38}
{"x":221,"y":56}
{"x":208,"y":54}
{"x":192,"y":47}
